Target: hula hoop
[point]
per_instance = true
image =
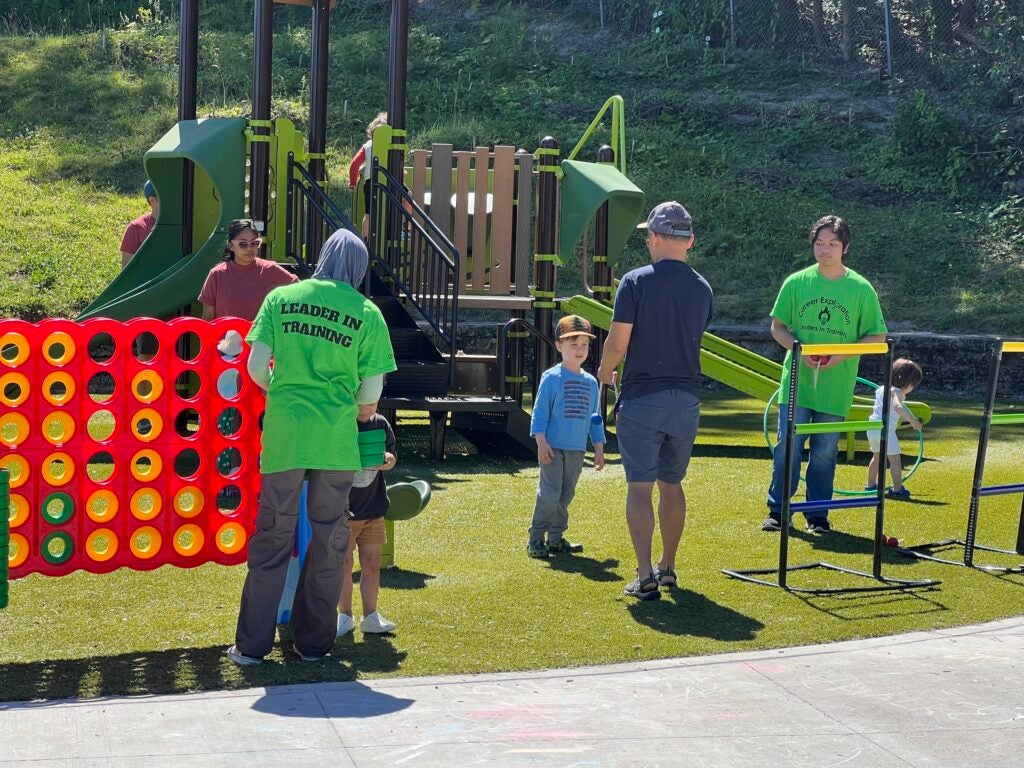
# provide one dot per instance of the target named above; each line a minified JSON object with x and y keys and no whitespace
{"x":771,"y":447}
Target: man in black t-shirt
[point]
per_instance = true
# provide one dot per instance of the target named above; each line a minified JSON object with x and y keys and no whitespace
{"x":661,"y":311}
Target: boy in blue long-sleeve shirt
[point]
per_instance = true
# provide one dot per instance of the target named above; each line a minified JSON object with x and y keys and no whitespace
{"x":565,"y":411}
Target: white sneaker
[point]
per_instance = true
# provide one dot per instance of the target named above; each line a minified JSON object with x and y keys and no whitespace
{"x":345,"y":624}
{"x":377,"y":624}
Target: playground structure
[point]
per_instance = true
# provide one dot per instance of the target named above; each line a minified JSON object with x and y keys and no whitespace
{"x":793,"y":429}
{"x":449,"y":230}
{"x":969,"y":543}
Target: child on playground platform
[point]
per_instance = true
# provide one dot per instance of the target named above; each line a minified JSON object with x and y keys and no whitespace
{"x":566,"y":410}
{"x":368,"y":504}
{"x":906,"y":375}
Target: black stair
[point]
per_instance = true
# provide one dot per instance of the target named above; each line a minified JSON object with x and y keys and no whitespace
{"x":422,"y":371}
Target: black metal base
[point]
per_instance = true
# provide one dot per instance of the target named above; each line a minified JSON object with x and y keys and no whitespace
{"x":884,"y":583}
{"x":924,"y":552}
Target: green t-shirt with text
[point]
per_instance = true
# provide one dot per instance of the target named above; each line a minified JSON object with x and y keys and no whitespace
{"x":820,"y":311}
{"x":325,"y":337}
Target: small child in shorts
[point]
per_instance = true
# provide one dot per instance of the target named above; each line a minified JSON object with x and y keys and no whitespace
{"x":906,"y":375}
{"x":368,"y":504}
{"x":565,"y":411}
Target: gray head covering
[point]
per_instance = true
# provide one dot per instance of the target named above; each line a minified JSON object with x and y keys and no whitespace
{"x":343,"y":258}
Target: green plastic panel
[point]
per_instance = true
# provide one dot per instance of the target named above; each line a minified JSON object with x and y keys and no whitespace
{"x":824,"y":428}
{"x":1007,"y":418}
{"x":161,"y":279}
{"x":585,"y":188}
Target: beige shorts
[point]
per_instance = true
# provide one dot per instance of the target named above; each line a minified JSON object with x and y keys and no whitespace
{"x":366,"y":532}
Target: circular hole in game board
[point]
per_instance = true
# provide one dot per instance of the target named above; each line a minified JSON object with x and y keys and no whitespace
{"x":229,"y":423}
{"x":187,"y":423}
{"x":145,"y":346}
{"x":101,"y":425}
{"x":229,"y":499}
{"x":229,"y":383}
{"x":187,"y":464}
{"x":100,"y":467}
{"x":229,"y":461}
{"x":102,"y":348}
{"x":188,"y":347}
{"x":101,"y":387}
{"x":187,"y":384}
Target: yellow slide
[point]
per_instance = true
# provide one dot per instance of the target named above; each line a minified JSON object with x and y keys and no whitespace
{"x":731,"y":364}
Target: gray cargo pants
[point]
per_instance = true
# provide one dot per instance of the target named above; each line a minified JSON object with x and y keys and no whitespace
{"x":555,"y":491}
{"x":314,"y":612}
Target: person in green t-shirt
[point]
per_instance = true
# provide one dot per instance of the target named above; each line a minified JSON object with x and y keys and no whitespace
{"x":331,"y":350}
{"x":825,"y":303}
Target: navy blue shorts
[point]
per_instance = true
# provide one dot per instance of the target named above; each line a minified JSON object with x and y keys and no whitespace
{"x":656,"y":433}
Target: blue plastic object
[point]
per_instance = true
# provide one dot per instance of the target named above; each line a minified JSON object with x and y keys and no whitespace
{"x":303,"y":535}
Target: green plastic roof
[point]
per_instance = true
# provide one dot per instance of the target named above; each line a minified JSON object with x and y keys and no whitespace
{"x":585,"y":188}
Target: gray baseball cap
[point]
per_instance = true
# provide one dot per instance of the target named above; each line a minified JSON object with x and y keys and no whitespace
{"x":669,"y":219}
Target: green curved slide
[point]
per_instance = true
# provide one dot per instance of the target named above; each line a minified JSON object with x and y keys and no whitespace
{"x":161,"y":279}
{"x":731,"y":364}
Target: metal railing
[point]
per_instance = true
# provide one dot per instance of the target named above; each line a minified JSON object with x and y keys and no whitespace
{"x":503,"y":335}
{"x":308,"y":206}
{"x":416,"y":257}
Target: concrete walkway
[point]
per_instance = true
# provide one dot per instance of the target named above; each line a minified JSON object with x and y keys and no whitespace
{"x":950,"y":698}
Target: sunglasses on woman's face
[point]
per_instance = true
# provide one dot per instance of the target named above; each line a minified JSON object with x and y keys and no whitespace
{"x":249,"y":243}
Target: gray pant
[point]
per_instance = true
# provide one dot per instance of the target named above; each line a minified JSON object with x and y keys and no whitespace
{"x":555,"y":492}
{"x":315,"y":609}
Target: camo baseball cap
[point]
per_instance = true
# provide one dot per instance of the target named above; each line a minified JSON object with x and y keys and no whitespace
{"x":573,"y":325}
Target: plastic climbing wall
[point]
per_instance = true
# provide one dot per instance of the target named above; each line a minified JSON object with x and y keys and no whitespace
{"x":129,"y":445}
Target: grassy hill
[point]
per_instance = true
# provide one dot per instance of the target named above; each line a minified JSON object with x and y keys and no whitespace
{"x":757,"y":147}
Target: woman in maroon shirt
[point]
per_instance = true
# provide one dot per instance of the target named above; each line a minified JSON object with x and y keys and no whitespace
{"x":238,"y":285}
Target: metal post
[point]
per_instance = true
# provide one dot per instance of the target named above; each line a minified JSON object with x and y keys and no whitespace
{"x":883,"y":463}
{"x":188,"y":58}
{"x":397,"y":69}
{"x":732,"y":22}
{"x":788,"y":451}
{"x":996,"y":355}
{"x":602,"y":285}
{"x":887,"y":11}
{"x":544,"y":257}
{"x":319,"y":58}
{"x":263,"y":49}
{"x":399,"y":58}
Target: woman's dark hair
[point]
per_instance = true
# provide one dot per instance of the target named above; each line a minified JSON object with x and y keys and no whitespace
{"x":834,"y":224}
{"x":906,"y":372}
{"x":235,"y":228}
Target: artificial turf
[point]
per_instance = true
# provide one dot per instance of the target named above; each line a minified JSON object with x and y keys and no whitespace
{"x":467,"y":599}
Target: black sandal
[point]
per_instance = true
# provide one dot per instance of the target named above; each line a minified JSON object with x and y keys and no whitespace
{"x":644,"y":589}
{"x":666,"y":577}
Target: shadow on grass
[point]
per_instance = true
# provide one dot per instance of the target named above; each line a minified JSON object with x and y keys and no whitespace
{"x":859,"y":606}
{"x":399,"y":578}
{"x":694,"y":614}
{"x":844,"y":543}
{"x":189,"y":670}
{"x":588,"y":567}
{"x":919,"y":502}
